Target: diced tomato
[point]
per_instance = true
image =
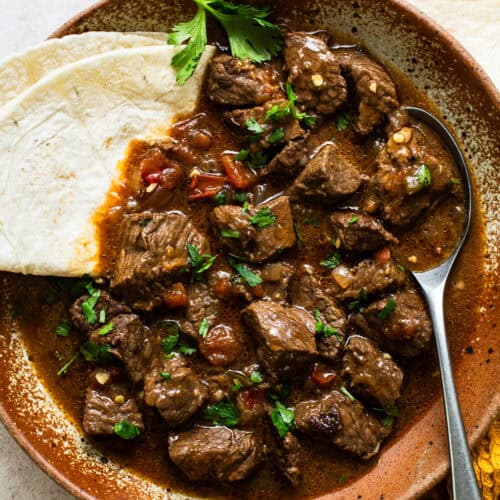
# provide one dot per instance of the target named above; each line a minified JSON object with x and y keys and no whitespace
{"x":176,"y":296}
{"x":240,"y":176}
{"x":383,"y":256}
{"x":221,"y":346}
{"x":322,"y":375}
{"x":252,"y":398}
{"x":205,"y":186}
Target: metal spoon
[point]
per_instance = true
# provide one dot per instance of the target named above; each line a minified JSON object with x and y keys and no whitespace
{"x":433,"y":283}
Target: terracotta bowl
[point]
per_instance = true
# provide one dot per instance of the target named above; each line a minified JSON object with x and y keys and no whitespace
{"x":411,"y":464}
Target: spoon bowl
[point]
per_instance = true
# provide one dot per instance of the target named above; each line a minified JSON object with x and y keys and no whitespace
{"x":433,"y":284}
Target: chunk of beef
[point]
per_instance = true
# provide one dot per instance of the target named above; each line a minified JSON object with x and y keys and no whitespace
{"x":401,"y":189}
{"x":239,"y":118}
{"x":366,"y":278}
{"x":130,"y":342}
{"x":105,"y":302}
{"x":203,"y":304}
{"x":233,"y":82}
{"x":328,"y":177}
{"x":152,"y":250}
{"x":374,"y":377}
{"x":306,"y":291}
{"x":288,"y":458}
{"x":290,"y":160}
{"x":343,"y":423}
{"x":358,"y":232}
{"x":285,"y":336}
{"x":107,"y":402}
{"x":373,"y":87}
{"x":406,"y":331}
{"x":174,"y":389}
{"x":222,"y":345}
{"x":314,"y":73}
{"x":215,"y":453}
{"x":255,"y":243}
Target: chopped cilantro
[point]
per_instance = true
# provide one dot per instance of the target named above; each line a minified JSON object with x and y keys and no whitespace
{"x":96,"y":353}
{"x":332,"y":261}
{"x":255,"y":127}
{"x":241,"y":197}
{"x":126,"y":430}
{"x":388,"y":420}
{"x":199,"y":263}
{"x":230,"y":233}
{"x":263,"y":218}
{"x":223,"y":413}
{"x":257,"y":160}
{"x":283,"y":419}
{"x":102,"y":316}
{"x":63,"y":329}
{"x":276,"y":136}
{"x":236,"y":386}
{"x":89,"y":304}
{"x":454,"y":180}
{"x":342,"y":121}
{"x":245,"y":208}
{"x":108,"y":328}
{"x":288,"y":108}
{"x":327,"y":330}
{"x":388,"y":309}
{"x":242,"y":155}
{"x":424,"y":175}
{"x":221,"y":198}
{"x":203,"y":328}
{"x":353,"y":219}
{"x":65,"y":368}
{"x":169,"y":343}
{"x":186,"y":349}
{"x":165,"y":375}
{"x":251,"y":278}
{"x":360,"y":303}
{"x":347,"y":394}
{"x":256,"y":377}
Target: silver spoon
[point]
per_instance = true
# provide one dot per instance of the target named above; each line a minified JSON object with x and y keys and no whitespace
{"x":433,"y":283}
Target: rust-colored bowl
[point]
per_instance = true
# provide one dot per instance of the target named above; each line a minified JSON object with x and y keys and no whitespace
{"x":413,"y":463}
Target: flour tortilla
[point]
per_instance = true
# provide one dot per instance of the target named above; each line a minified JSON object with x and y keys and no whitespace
{"x":20,"y":71}
{"x":60,"y":147}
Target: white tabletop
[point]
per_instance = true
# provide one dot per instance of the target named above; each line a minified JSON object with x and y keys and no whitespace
{"x":26,"y":22}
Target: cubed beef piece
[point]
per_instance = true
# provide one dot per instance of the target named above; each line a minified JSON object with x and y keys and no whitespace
{"x":328,"y":177}
{"x":306,"y":291}
{"x":413,"y":170}
{"x":366,"y":278}
{"x":314,"y":73}
{"x":105,"y":302}
{"x":108,"y":402}
{"x":174,"y":389}
{"x":359,"y":232}
{"x":406,"y":331}
{"x":152,"y":250}
{"x":233,"y":82}
{"x":343,"y":423}
{"x":215,"y":453}
{"x":203,"y":304}
{"x":374,"y":89}
{"x":256,"y":242}
{"x":222,"y":345}
{"x":288,"y":458}
{"x":285,"y":336}
{"x":129,"y":341}
{"x":373,"y":375}
{"x":290,"y":160}
{"x":239,"y":119}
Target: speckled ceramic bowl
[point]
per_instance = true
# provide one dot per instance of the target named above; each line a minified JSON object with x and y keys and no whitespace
{"x":410,"y":465}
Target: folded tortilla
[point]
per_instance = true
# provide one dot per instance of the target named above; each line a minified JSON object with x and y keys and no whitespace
{"x":61,"y":143}
{"x":20,"y":71}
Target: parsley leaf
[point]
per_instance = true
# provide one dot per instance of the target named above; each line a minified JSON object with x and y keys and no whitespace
{"x":102,"y":316}
{"x":126,"y":430}
{"x":96,"y":353}
{"x":89,"y":304}
{"x":424,"y":175}
{"x":199,"y":263}
{"x":108,"y":328}
{"x":203,"y":328}
{"x":63,"y":329}
{"x":327,"y":330}
{"x":221,"y":198}
{"x":230,"y":233}
{"x":241,"y":197}
{"x":342,"y":121}
{"x":236,"y":386}
{"x":242,"y":155}
{"x":332,"y":262}
{"x":276,"y":136}
{"x":186,"y":349}
{"x":283,"y":419}
{"x":388,"y":309}
{"x":256,"y":377}
{"x":454,"y":180}
{"x":165,"y":375}
{"x":347,"y":394}
{"x":254,"y":126}
{"x":353,"y":219}
{"x":251,"y":278}
{"x":223,"y":413}
{"x":263,"y":218}
{"x":358,"y":305}
{"x":169,"y":343}
{"x":65,"y":368}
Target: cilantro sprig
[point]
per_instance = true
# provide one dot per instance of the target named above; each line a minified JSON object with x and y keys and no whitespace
{"x":250,"y":35}
{"x":223,"y":413}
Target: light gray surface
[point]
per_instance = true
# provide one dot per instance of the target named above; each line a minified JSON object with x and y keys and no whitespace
{"x":26,"y":22}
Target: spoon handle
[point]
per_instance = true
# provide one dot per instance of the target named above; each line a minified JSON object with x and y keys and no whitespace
{"x":463,"y":479}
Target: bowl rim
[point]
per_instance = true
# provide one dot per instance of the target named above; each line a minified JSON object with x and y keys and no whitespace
{"x":433,"y":30}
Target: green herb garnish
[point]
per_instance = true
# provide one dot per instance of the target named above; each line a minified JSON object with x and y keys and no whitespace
{"x":203,"y":328}
{"x":263,"y":218}
{"x":220,"y":198}
{"x":342,"y":121}
{"x":108,"y":328}
{"x":276,"y":136}
{"x":298,"y":231}
{"x":223,"y":413}
{"x":199,"y":263}
{"x":126,"y":430}
{"x":388,"y":309}
{"x":358,"y":305}
{"x":186,"y":349}
{"x":332,"y":262}
{"x":255,"y":127}
{"x":165,"y":375}
{"x":89,"y":304}
{"x":347,"y":394}
{"x":65,"y":368}
{"x":283,"y":419}
{"x":251,"y":278}
{"x":241,"y":197}
{"x":230,"y":233}
{"x":326,"y":330}
{"x":353,"y":219}
{"x":454,"y":180}
{"x":256,"y":377}
{"x":96,"y":353}
{"x":288,"y":108}
{"x":423,"y":175}
{"x":236,"y":386}
{"x":102,"y":316}
{"x":63,"y":329}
